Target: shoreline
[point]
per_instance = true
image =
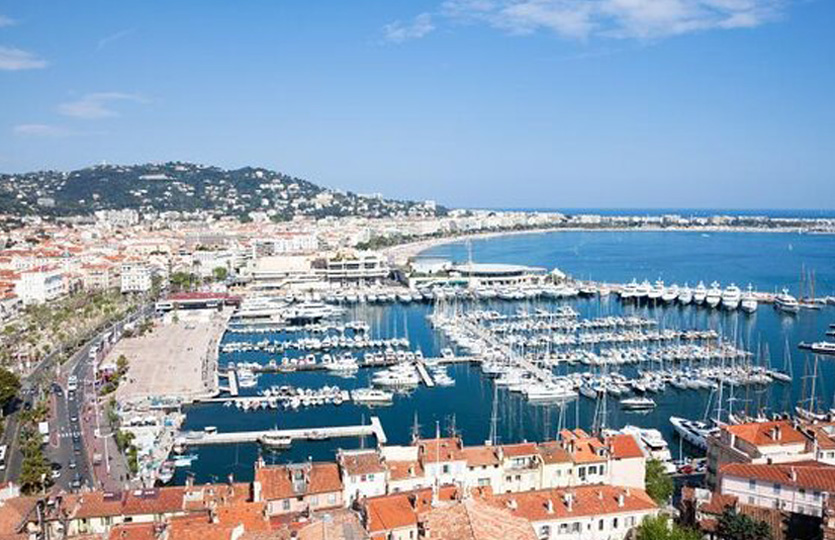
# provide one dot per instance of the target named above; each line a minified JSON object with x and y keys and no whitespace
{"x":402,"y":253}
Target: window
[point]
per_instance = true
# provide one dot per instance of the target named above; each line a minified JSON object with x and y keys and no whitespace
{"x":752,"y":484}
{"x":575,"y":527}
{"x":614,"y":523}
{"x":314,"y":500}
{"x":563,"y":528}
{"x":446,"y":469}
{"x":752,"y":500}
{"x":483,"y":481}
{"x":777,"y":489}
{"x":285,"y":504}
{"x":332,"y":498}
{"x":603,"y":469}
{"x":600,"y":525}
{"x":802,"y":492}
{"x":362,"y":478}
{"x":545,"y":531}
{"x":816,"y":494}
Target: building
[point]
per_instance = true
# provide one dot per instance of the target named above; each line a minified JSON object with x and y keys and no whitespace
{"x":295,"y":488}
{"x":776,"y":441}
{"x":363,"y":474}
{"x":285,"y":244}
{"x":40,"y":284}
{"x":797,"y":488}
{"x":99,"y":276}
{"x":359,"y":268}
{"x":472,"y":519}
{"x":136,"y":277}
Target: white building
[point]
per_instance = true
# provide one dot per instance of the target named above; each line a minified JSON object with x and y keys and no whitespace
{"x":284,"y":244}
{"x":40,"y":284}
{"x":796,"y":488}
{"x":136,"y":277}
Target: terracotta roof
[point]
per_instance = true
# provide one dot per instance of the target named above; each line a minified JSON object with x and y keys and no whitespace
{"x":818,"y":478}
{"x":359,"y":463}
{"x":102,"y":504}
{"x":398,"y":510}
{"x":520,"y":449}
{"x":401,"y":470}
{"x":776,"y":432}
{"x":475,"y":520}
{"x":586,"y":501}
{"x":12,"y":513}
{"x":134,"y":531}
{"x":276,"y":482}
{"x":624,"y":446}
{"x":552,"y":452}
{"x":480,"y":456}
{"x":443,"y":449}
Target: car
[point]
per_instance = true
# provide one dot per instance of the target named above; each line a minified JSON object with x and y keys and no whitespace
{"x":76,"y":448}
{"x":72,"y":464}
{"x":76,"y":481}
{"x":73,"y":418}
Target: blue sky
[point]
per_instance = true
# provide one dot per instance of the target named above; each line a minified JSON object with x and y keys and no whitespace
{"x":502,"y":103}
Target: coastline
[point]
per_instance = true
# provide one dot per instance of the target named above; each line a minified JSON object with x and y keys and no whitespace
{"x":402,"y":253}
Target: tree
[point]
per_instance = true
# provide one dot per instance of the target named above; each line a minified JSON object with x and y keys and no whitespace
{"x":735,"y":526}
{"x":9,"y":386}
{"x":220,"y":273}
{"x":661,"y":528}
{"x":659,"y":484}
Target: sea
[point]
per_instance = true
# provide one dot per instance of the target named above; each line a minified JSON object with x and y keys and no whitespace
{"x":768,"y":261}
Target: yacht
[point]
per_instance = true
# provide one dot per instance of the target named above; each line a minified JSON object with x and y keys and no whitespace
{"x":311,"y":311}
{"x":629,"y":290}
{"x":700,"y":293}
{"x":656,"y":292}
{"x":549,"y":392}
{"x":685,"y":295}
{"x":637,"y":404}
{"x":371,"y":396}
{"x":670,"y":294}
{"x":819,"y":347}
{"x":714,"y":295}
{"x":260,"y":308}
{"x":643,"y":290}
{"x":695,"y":432}
{"x":731,"y":297}
{"x":276,"y":441}
{"x":749,"y":300}
{"x":786,"y":302}
{"x":653,"y":443}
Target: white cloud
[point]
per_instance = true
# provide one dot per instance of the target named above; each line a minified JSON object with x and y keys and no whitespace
{"x":12,"y":59}
{"x":625,"y":19}
{"x":398,"y":32}
{"x":98,"y":105}
{"x":107,"y":40}
{"x":41,"y":130}
{"x":6,"y":21}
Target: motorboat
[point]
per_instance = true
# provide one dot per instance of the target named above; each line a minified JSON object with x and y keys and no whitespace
{"x":786,"y":303}
{"x":714,"y":295}
{"x":731,"y":297}
{"x":657,"y":291}
{"x":685,"y":295}
{"x":694,"y":432}
{"x":637,"y":403}
{"x":371,"y":396}
{"x":670,"y":294}
{"x":819,"y":347}
{"x":700,"y":293}
{"x":749,"y":300}
{"x":642,"y":291}
{"x":275,"y":441}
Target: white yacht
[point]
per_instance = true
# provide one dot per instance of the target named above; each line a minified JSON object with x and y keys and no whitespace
{"x":670,"y":294}
{"x":371,"y":396}
{"x":685,"y":295}
{"x":786,"y":302}
{"x":695,"y":432}
{"x":657,"y":291}
{"x":749,"y":300}
{"x":731,"y":297}
{"x":311,"y":311}
{"x":714,"y":295}
{"x":637,"y":404}
{"x":643,"y":290}
{"x":629,"y":290}
{"x":700,"y":293}
{"x":549,"y":392}
{"x":265,"y":308}
{"x":653,"y":444}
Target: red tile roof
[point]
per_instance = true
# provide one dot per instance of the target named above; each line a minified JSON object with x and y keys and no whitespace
{"x":474,"y":520}
{"x":359,"y":463}
{"x":586,"y":501}
{"x":624,"y":446}
{"x":276,"y":482}
{"x":772,"y":433}
{"x":817,"y":478}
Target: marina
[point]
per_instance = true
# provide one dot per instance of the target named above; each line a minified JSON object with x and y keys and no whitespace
{"x":546,"y":361}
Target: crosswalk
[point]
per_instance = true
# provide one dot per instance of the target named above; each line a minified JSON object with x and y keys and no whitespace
{"x":67,"y":434}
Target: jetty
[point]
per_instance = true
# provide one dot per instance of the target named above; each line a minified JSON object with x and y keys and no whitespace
{"x":210,"y":437}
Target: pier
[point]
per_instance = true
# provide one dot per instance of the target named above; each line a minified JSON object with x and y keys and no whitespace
{"x":195,"y":438}
{"x":232,"y":382}
{"x":421,"y":369}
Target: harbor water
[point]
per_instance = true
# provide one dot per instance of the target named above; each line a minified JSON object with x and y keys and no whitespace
{"x":767,"y":261}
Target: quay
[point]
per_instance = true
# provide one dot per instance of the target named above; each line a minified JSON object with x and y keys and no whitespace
{"x":195,"y":438}
{"x":232,"y":382}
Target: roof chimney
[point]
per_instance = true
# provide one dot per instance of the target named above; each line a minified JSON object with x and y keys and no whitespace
{"x":775,"y":433}
{"x":793,"y":474}
{"x":256,"y":491}
{"x":621,"y":500}
{"x":549,"y":506}
{"x":511,"y":504}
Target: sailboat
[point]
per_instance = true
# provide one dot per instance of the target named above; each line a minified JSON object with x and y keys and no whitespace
{"x":786,"y":374}
{"x":810,"y":413}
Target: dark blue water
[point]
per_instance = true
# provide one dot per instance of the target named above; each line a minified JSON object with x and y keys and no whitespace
{"x":804,"y":213}
{"x":768,"y":261}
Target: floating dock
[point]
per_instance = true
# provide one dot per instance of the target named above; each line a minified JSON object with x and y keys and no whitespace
{"x":197,"y":438}
{"x":421,"y":369}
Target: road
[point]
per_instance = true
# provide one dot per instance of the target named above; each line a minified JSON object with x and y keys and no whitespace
{"x":72,"y":435}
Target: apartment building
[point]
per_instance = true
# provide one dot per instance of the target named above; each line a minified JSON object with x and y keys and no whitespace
{"x":40,"y":284}
{"x":136,"y":276}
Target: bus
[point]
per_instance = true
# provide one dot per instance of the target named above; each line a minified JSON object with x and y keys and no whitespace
{"x":72,"y":383}
{"x":2,"y":457}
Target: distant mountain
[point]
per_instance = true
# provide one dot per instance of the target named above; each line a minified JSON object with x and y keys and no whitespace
{"x":187,"y":187}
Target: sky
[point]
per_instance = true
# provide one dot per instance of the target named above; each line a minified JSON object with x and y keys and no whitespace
{"x":472,"y":103}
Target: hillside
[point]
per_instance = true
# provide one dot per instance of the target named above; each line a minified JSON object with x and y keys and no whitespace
{"x":187,"y":187}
